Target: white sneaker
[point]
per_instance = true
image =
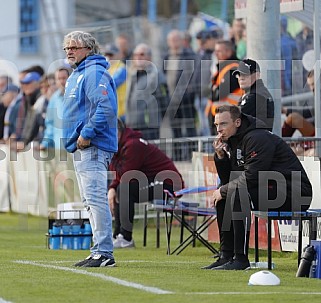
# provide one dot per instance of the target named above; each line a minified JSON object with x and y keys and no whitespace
{"x":120,"y":242}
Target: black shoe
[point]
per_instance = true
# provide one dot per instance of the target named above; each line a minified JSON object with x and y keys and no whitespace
{"x":100,"y":261}
{"x":234,"y":265}
{"x":218,"y":262}
{"x":83,"y":262}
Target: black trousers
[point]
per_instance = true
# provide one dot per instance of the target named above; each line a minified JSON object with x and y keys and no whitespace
{"x":234,"y":223}
{"x":128,"y":195}
{"x":234,"y":213}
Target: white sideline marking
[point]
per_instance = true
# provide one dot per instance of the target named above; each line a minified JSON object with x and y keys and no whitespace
{"x":153,"y":290}
{"x":252,"y":293}
{"x":4,"y":301}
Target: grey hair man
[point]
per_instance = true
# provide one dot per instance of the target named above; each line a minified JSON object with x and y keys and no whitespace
{"x":90,"y":134}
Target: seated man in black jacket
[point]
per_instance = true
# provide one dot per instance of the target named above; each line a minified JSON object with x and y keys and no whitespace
{"x":258,"y":171}
{"x":257,"y":101}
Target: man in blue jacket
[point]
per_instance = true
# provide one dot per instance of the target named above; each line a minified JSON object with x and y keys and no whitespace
{"x":90,"y":134}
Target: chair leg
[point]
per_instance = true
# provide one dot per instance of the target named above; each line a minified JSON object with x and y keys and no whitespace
{"x":182,"y":230}
{"x":269,"y":243}
{"x":300,"y":240}
{"x":145,"y":226}
{"x":157,"y":229}
{"x":194,"y":228}
{"x":256,"y":238}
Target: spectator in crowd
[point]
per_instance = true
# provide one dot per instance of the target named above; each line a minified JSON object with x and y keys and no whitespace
{"x":47,"y":88}
{"x":255,"y":167}
{"x":25,"y":129}
{"x":304,"y":121}
{"x":237,"y":36}
{"x":288,"y":53}
{"x":5,"y":80}
{"x":90,"y":134}
{"x":10,"y":100}
{"x":147,"y":95}
{"x":119,"y":73}
{"x":304,"y":41}
{"x":225,"y":87}
{"x":257,"y":100}
{"x":179,"y":68}
{"x":52,"y":137}
{"x":28,"y":96}
{"x":143,"y":172}
{"x":123,"y":43}
{"x":206,"y":40}
{"x":187,"y":40}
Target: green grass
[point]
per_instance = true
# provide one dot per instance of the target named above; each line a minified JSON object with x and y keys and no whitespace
{"x":56,"y":280}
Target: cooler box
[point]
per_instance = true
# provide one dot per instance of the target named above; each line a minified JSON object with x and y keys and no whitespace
{"x":71,"y":210}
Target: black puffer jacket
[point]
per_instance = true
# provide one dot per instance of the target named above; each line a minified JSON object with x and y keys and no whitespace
{"x":255,"y":154}
{"x":258,"y":102}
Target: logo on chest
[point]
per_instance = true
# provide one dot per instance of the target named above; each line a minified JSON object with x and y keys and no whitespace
{"x":239,"y":157}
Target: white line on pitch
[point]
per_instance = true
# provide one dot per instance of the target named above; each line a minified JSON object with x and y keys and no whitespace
{"x":142,"y":287}
{"x":251,"y":293}
{"x":4,"y":301}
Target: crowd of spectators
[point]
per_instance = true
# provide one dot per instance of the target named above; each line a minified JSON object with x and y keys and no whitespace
{"x":196,"y":77}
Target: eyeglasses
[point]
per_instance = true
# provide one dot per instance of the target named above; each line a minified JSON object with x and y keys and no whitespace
{"x":138,"y":54}
{"x":73,"y":48}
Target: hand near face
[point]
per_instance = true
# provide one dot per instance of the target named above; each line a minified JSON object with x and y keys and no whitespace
{"x":219,"y":147}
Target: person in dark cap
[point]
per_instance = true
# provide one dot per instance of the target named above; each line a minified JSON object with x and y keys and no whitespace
{"x":110,"y":50}
{"x":257,"y":100}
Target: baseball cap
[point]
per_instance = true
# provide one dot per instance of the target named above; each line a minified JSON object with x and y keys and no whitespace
{"x":111,"y":49}
{"x":30,"y":77}
{"x":247,"y":67}
{"x":11,"y":88}
{"x":204,"y":35}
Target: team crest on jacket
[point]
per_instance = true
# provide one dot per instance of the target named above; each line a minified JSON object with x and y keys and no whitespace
{"x":239,"y":157}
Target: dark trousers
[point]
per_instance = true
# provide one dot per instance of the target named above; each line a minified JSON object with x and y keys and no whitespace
{"x":234,"y":223}
{"x":128,"y":195}
{"x":234,"y":213}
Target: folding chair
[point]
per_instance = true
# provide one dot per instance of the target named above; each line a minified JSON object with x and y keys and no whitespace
{"x":156,"y":205}
{"x":174,"y":208}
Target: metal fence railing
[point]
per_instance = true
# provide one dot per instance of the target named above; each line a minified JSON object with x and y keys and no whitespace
{"x":181,"y":149}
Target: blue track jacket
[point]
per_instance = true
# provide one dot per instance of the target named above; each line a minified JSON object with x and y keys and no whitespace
{"x":90,"y":106}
